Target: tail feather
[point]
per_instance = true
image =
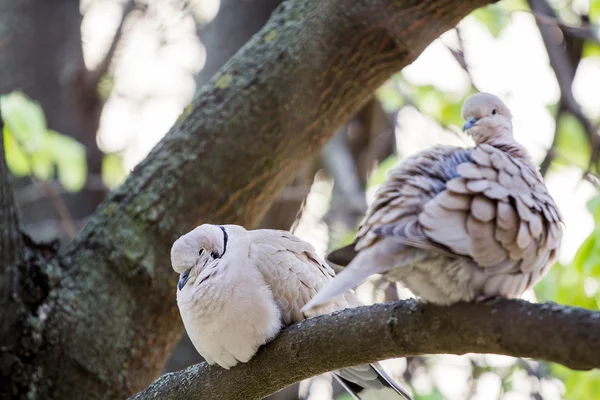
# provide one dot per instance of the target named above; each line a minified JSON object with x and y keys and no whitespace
{"x":347,"y":279}
{"x":343,"y":255}
{"x":370,"y":381}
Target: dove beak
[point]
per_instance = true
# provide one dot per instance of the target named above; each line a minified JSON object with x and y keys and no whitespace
{"x":470,"y":123}
{"x":183,"y":278}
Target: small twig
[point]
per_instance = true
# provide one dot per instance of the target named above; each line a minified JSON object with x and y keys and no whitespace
{"x":585,"y":31}
{"x":348,"y":191}
{"x":94,"y":76}
{"x":35,"y":191}
{"x":551,"y":153}
{"x":565,"y":72}
{"x":591,"y":178}
{"x":298,"y":215}
{"x":61,"y":208}
{"x":459,"y":56}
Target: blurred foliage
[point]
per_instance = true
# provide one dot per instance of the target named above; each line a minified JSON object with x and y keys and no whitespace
{"x":113,"y":173}
{"x":33,"y":149}
{"x":497,"y":16}
{"x":590,"y":48}
{"x":572,"y":147}
{"x":594,"y":11}
{"x":106,"y":86}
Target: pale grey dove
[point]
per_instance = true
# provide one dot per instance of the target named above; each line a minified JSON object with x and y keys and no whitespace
{"x":458,"y":224}
{"x":239,"y":288}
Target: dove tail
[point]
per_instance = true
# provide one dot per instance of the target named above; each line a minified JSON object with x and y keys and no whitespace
{"x":342,"y":256}
{"x":347,"y":279}
{"x":370,"y":381}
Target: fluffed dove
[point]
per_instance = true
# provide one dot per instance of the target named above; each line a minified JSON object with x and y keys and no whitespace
{"x":239,"y":288}
{"x":458,"y":224}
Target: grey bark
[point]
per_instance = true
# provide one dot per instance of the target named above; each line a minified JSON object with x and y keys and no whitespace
{"x":550,"y":332}
{"x":109,"y":319}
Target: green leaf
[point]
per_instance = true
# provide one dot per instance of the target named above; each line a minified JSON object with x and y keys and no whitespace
{"x":42,"y":164}
{"x":571,"y":144}
{"x":69,"y":156}
{"x":390,"y":97}
{"x":434,"y":395}
{"x":25,"y":120}
{"x":594,"y":11}
{"x":106,"y":86}
{"x":441,"y":106}
{"x":590,"y":49}
{"x":587,"y":258}
{"x":113,"y":173}
{"x":493,"y":18}
{"x":451,"y":113}
{"x":17,"y":160}
{"x":578,"y":384}
{"x":594,"y":207}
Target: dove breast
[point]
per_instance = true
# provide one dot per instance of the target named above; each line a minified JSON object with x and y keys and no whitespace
{"x":229,"y":315}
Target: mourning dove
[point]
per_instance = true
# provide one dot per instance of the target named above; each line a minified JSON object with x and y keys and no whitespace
{"x":239,"y":288}
{"x":458,"y":224}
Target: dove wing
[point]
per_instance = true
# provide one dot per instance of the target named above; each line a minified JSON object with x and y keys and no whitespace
{"x":400,"y":199}
{"x":497,"y":211}
{"x":479,"y":203}
{"x":294,"y":272}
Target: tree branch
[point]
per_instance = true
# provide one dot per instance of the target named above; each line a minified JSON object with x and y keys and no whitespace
{"x":550,"y":332}
{"x":111,"y":319}
{"x":565,"y":72}
{"x":93,"y":76}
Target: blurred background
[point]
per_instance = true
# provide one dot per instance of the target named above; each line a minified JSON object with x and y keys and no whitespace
{"x":89,"y":87}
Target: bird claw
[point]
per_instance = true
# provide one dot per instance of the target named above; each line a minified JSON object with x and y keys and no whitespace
{"x":487,"y":299}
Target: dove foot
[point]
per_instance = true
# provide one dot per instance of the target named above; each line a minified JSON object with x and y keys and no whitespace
{"x":487,"y":299}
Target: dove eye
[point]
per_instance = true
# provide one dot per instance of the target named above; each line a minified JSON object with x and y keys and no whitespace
{"x":494,"y":112}
{"x":201,"y":252}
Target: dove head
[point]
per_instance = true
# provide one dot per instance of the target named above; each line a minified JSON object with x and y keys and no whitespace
{"x":196,"y":249}
{"x":487,"y":118}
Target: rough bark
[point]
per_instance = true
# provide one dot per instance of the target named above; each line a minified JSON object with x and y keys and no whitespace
{"x":11,"y":258}
{"x":406,"y":328}
{"x":110,"y":318}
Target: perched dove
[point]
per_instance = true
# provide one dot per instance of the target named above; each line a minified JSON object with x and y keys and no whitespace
{"x":239,"y":288}
{"x":458,"y":224}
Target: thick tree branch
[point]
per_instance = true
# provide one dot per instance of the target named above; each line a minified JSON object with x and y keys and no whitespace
{"x":110,"y":319}
{"x":550,"y":332}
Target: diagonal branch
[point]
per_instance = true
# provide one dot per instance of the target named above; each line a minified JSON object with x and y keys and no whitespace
{"x":561,"y":334}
